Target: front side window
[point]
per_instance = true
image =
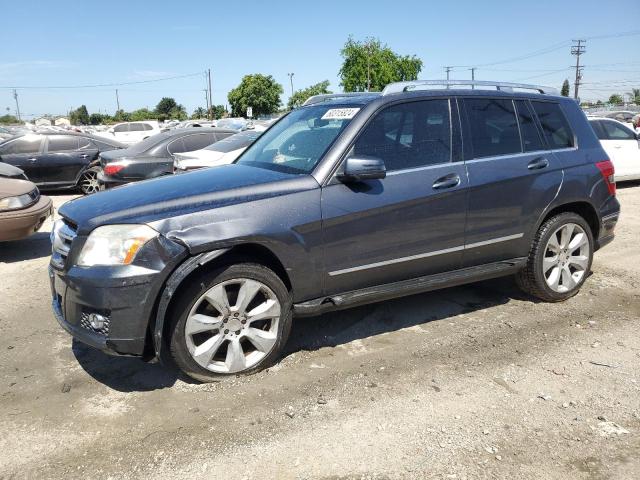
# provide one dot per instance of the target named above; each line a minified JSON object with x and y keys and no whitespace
{"x":554,"y":125}
{"x":121,"y":128}
{"x":62,"y":143}
{"x":409,"y":135}
{"x":597,"y":127}
{"x":299,"y":140}
{"x":615,"y":131}
{"x":29,"y":144}
{"x":493,"y":127}
{"x":531,"y":140}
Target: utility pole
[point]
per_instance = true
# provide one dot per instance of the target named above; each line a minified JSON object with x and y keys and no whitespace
{"x":578,"y":49}
{"x":448,"y":69}
{"x":473,"y":76}
{"x":210,"y":111}
{"x":15,"y":96}
{"x":290,"y":75}
{"x":117,"y":100}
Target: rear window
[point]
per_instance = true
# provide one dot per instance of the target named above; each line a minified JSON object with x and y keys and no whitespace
{"x":234,"y":142}
{"x":493,"y":127}
{"x":554,"y":124}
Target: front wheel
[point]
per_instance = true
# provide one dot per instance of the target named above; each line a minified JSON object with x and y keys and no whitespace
{"x":560,"y":258}
{"x":88,"y":182}
{"x":234,"y":320}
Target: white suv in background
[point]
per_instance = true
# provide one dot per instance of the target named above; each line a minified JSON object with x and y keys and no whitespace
{"x":132,"y":132}
{"x":622,"y":145}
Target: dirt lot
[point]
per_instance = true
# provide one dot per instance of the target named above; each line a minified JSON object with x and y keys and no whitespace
{"x":470,"y":382}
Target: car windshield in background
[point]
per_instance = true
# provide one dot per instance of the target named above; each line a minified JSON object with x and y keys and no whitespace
{"x":234,"y":142}
{"x":297,"y":142}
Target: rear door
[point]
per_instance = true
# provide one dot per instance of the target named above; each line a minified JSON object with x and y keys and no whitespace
{"x":62,"y":159}
{"x":26,"y":153}
{"x":512,"y":175}
{"x":410,"y":223}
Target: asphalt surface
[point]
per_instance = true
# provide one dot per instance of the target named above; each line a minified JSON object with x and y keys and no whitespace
{"x":474,"y":382}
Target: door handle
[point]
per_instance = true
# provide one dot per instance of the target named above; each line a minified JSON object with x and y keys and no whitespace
{"x":448,"y":181}
{"x":84,"y":156}
{"x":32,"y":160}
{"x":538,"y":163}
{"x":617,"y":146}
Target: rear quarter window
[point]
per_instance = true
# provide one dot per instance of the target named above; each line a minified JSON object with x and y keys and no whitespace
{"x":555,"y":126}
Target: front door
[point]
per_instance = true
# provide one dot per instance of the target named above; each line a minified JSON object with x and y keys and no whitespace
{"x":410,"y":223}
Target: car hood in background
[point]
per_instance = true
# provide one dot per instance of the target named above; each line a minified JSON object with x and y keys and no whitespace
{"x":10,"y":171}
{"x":173,"y":196}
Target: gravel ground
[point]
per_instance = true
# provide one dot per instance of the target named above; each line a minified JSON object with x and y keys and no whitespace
{"x":472,"y":382}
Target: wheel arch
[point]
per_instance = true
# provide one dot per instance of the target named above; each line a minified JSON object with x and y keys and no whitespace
{"x":580,"y":207}
{"x":196,"y":265}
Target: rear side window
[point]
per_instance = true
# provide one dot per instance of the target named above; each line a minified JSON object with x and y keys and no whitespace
{"x":554,"y":125}
{"x":146,"y":127}
{"x":84,"y":143}
{"x":615,"y":131}
{"x":23,"y":145}
{"x":62,"y":143}
{"x":531,"y":140}
{"x":177,"y":146}
{"x":409,"y":135}
{"x":136,"y":127}
{"x":121,"y":128}
{"x":493,"y":127}
{"x":197,"y":142}
{"x":597,"y":127}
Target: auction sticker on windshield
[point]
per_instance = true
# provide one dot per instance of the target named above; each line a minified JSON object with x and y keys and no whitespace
{"x":340,"y":113}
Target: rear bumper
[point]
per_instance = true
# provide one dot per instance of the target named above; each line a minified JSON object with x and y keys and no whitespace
{"x":607,"y":229}
{"x":110,"y":182}
{"x":22,"y":223}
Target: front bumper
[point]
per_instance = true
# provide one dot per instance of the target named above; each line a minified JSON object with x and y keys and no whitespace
{"x":18,"y":224}
{"x":124,"y":298}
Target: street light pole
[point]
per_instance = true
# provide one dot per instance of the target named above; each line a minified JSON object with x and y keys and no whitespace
{"x":291,"y":80}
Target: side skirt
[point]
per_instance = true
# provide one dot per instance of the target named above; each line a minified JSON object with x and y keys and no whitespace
{"x":380,"y":293}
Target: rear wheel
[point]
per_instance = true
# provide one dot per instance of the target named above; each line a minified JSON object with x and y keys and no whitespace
{"x":88,"y":182}
{"x":560,"y":258}
{"x":234,"y":320}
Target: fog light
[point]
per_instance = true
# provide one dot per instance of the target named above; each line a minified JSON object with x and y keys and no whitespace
{"x":97,"y":321}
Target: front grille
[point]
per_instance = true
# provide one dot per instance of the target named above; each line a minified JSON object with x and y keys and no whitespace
{"x":62,"y":237}
{"x":85,"y":323}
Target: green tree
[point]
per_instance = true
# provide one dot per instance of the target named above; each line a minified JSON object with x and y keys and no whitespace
{"x":260,"y":92}
{"x":371,"y":65}
{"x":8,"y":119}
{"x":79,"y":116}
{"x":616,"y":99}
{"x":218,"y":111}
{"x":199,"y":113}
{"x":564,"y":91}
{"x":142,"y":114}
{"x":299,"y":97}
{"x":635,"y":94}
{"x":99,"y":119}
{"x":165,"y":105}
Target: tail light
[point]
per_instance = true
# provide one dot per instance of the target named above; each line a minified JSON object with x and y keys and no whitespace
{"x":113,"y":168}
{"x":607,"y":171}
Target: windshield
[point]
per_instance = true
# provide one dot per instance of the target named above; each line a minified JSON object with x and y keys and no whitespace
{"x":297,"y":142}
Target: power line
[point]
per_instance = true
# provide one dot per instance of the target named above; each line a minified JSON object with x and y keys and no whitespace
{"x":24,"y":87}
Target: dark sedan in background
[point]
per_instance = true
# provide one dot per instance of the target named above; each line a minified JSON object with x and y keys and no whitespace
{"x":154,"y":156}
{"x":58,"y":160}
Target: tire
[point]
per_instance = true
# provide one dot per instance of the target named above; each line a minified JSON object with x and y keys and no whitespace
{"x":551,"y":276}
{"x":88,"y":182}
{"x":211,"y":339}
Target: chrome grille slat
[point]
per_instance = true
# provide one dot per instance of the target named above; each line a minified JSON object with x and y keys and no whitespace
{"x":62,"y":237}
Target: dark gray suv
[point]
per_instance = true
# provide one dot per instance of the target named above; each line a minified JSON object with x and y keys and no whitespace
{"x":350,"y":199}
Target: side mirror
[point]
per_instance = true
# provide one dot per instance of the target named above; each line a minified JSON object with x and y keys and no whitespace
{"x":361,"y":168}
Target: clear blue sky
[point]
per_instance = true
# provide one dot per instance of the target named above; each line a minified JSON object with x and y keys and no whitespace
{"x":89,"y":42}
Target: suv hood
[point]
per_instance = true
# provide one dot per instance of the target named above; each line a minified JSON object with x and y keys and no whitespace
{"x":173,"y":196}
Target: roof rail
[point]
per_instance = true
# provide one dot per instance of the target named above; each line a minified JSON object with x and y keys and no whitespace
{"x":328,"y":96}
{"x":505,"y":86}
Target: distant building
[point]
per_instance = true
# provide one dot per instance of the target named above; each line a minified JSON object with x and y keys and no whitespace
{"x":42,"y":122}
{"x":62,"y":122}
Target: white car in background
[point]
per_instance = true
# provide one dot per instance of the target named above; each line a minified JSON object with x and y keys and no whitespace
{"x":132,"y":132}
{"x":219,"y":153}
{"x":622,"y":145}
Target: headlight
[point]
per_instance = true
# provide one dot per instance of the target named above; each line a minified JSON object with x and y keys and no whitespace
{"x":177,"y":163}
{"x":114,"y":244}
{"x":20,"y":201}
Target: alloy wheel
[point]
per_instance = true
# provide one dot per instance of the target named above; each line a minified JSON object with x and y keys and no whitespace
{"x":89,"y":182}
{"x":233,"y":325}
{"x":566,"y":258}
